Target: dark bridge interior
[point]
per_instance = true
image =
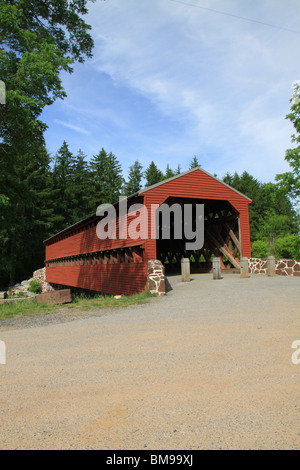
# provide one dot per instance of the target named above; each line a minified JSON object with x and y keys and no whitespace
{"x":221,"y":237}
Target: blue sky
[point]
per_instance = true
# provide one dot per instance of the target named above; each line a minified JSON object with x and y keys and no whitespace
{"x":172,"y":79}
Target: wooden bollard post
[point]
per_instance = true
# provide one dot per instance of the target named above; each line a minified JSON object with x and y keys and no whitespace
{"x":185,"y":270}
{"x":271,"y":266}
{"x":244,"y":270}
{"x":216,"y":268}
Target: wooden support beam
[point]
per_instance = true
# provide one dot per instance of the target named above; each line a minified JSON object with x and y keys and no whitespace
{"x":218,"y":236}
{"x":223,"y":250}
{"x":234,"y":238}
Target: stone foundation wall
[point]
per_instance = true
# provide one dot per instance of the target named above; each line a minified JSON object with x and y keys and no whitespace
{"x":283,"y":267}
{"x":156,"y":277}
{"x":40,"y":275}
{"x":257,"y":265}
{"x":287,"y":267}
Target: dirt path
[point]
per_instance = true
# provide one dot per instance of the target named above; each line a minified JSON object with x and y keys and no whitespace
{"x":206,"y":367}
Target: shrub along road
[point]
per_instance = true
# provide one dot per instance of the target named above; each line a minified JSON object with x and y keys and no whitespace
{"x":209,"y":366}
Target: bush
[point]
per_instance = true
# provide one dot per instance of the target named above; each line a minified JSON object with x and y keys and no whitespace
{"x":35,"y":286}
{"x":260,"y":249}
{"x":288,"y":247}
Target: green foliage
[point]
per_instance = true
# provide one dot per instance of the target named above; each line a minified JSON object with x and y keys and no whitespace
{"x":38,"y":40}
{"x":81,"y":188}
{"x":106,"y":175}
{"x":28,"y":217}
{"x":260,"y":249}
{"x":273,"y":226}
{"x":134,"y":183}
{"x":271,"y":212}
{"x":194,"y":163}
{"x":153,"y":175}
{"x":288,"y":247}
{"x":4,"y":201}
{"x":274,"y":223}
{"x":35,"y":286}
{"x":63,"y":173}
{"x":291,"y":179}
{"x":178,"y":170}
{"x":169,"y":172}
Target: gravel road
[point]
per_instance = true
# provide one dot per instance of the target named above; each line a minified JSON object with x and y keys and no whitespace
{"x":208,"y":366}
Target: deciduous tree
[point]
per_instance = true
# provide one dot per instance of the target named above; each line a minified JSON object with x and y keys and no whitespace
{"x":291,"y":179}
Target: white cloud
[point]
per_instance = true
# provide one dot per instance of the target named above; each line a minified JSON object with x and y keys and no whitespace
{"x":72,"y":127}
{"x":169,"y":81}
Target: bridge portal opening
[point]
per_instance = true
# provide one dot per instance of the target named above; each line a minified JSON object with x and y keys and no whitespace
{"x":221,"y":236}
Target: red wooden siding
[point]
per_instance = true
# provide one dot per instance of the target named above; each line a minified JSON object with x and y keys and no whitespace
{"x":119,"y":278}
{"x":111,"y":278}
{"x":84,"y":239}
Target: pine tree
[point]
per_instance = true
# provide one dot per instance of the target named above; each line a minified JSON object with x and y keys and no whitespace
{"x":107,"y":178}
{"x":153,"y":175}
{"x":169,"y":173}
{"x":81,"y":188}
{"x":194,"y":163}
{"x":134,"y":183}
{"x":27,"y":217}
{"x":178,"y":170}
{"x":63,"y":174}
{"x":115,"y":180}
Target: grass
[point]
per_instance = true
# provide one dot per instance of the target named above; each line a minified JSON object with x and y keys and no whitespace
{"x":25,"y":308}
{"x":80,"y":302}
{"x":83,"y":302}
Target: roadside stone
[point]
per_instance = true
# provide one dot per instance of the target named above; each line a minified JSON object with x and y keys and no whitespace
{"x":40,"y":275}
{"x":55,"y":297}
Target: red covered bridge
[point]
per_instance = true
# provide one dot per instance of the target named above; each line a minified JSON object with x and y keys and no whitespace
{"x":77,"y":257}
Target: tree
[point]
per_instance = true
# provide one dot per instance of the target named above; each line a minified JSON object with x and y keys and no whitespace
{"x":38,"y":40}
{"x":153,"y":175}
{"x":134,"y":183}
{"x":271,"y":213}
{"x":27,"y":217}
{"x":82,"y":188}
{"x":107,"y":180}
{"x":250,"y":187}
{"x":73,"y":185}
{"x":169,"y":173}
{"x":291,"y":180}
{"x":178,"y":170}
{"x":194,"y":163}
{"x":115,"y":180}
